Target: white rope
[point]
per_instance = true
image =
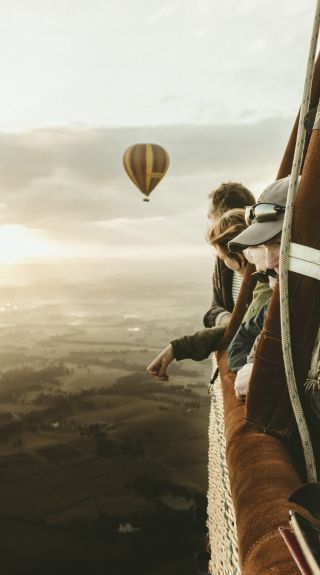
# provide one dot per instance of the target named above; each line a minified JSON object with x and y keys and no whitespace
{"x":284,"y":261}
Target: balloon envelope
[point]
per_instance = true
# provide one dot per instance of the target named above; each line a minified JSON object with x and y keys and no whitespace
{"x":146,"y":164}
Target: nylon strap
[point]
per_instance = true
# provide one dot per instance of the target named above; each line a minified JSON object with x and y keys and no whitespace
{"x":304,"y":260}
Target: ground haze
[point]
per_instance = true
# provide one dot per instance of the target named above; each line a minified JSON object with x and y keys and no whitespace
{"x":100,"y":465}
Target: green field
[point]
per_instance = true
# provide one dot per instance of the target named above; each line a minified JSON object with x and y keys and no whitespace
{"x":100,"y":465}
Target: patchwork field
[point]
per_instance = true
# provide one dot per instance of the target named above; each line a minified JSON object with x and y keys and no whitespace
{"x":100,"y":465}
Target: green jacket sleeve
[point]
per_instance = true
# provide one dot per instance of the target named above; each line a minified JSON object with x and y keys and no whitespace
{"x":261,"y":295}
{"x":199,"y":345}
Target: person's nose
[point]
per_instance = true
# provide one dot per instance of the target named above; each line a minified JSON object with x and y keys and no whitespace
{"x":272,"y":256}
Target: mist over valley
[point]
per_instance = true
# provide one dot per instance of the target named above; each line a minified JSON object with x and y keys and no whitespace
{"x":97,"y":459}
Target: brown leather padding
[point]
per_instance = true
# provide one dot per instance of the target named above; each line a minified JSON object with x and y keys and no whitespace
{"x":245,"y":295}
{"x":286,"y":164}
{"x":268,"y":404}
{"x":262,"y":474}
{"x":241,"y":306}
{"x":268,"y":379}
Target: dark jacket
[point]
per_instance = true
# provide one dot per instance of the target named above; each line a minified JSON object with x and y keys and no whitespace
{"x":222,"y":299}
{"x":199,"y":345}
{"x":244,"y":339}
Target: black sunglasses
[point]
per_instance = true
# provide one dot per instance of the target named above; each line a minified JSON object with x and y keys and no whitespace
{"x":263,"y":212}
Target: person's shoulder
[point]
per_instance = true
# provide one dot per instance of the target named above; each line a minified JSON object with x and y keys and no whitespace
{"x":260,"y":298}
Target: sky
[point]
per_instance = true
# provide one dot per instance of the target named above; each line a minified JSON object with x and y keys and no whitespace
{"x":218,"y":84}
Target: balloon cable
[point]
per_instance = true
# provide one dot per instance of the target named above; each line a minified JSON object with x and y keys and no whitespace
{"x":284,"y":261}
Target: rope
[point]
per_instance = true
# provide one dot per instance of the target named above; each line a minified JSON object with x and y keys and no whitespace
{"x":284,"y":261}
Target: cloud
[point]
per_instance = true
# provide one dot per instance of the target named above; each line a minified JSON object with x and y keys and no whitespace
{"x":69,"y":183}
{"x":114,"y":62}
{"x":163,"y":13}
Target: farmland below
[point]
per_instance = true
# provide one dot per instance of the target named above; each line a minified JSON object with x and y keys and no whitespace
{"x":100,"y":465}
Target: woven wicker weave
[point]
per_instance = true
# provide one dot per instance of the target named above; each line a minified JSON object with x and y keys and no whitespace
{"x":221,"y":519}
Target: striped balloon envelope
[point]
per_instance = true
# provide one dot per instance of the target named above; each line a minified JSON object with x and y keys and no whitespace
{"x":146,"y":164}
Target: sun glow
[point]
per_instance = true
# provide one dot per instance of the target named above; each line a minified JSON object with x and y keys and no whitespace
{"x":18,"y":244}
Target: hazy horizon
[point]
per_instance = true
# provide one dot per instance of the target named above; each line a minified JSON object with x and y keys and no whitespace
{"x":83,"y":81}
{"x":66,"y":195}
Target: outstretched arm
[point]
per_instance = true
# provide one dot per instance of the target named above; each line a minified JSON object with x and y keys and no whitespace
{"x":158,"y":367}
{"x":197,"y":347}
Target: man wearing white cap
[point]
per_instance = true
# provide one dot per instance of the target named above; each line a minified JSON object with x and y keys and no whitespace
{"x":265,"y":222}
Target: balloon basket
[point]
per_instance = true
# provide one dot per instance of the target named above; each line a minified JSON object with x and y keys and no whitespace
{"x":146,"y":199}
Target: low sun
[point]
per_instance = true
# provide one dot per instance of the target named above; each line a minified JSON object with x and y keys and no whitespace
{"x":18,"y":244}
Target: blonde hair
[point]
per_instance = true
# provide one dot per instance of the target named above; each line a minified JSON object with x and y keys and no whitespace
{"x":229,"y":225}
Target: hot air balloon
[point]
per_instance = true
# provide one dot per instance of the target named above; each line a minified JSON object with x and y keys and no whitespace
{"x":146,"y":164}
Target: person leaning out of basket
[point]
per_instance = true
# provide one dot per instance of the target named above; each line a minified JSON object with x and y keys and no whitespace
{"x":201,"y":344}
{"x":265,"y":222}
{"x":226,"y":281}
